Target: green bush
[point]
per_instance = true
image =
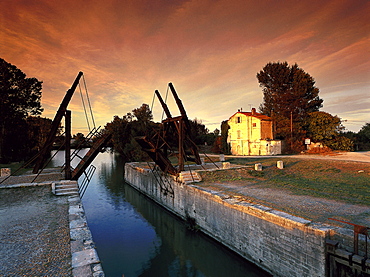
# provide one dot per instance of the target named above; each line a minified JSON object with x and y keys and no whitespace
{"x":340,"y":143}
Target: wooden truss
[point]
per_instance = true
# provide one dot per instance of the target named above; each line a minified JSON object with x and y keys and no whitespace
{"x":158,"y":146}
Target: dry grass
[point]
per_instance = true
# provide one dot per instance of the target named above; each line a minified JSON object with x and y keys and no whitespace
{"x":337,"y":180}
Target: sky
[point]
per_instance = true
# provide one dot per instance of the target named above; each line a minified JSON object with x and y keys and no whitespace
{"x":210,"y":50}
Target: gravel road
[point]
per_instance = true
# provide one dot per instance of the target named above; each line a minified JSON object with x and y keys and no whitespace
{"x":34,"y":233}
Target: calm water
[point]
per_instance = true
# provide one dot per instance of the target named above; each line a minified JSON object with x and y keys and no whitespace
{"x":136,"y":237}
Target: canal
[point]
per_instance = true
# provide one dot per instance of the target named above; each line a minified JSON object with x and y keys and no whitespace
{"x":136,"y":237}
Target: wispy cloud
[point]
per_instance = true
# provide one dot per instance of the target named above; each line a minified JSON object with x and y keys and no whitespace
{"x":210,"y":50}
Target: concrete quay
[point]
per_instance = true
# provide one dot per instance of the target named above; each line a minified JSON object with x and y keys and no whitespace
{"x":43,"y":234}
{"x":280,"y":243}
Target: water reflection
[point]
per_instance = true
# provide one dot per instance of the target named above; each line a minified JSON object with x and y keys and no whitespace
{"x":184,"y":252}
{"x":136,"y":237}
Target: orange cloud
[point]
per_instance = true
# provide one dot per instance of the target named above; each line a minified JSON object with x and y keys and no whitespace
{"x":210,"y":50}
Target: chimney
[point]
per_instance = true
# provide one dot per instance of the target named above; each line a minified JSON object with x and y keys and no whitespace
{"x":253,"y":111}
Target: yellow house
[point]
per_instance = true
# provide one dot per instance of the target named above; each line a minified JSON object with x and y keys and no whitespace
{"x":251,"y":133}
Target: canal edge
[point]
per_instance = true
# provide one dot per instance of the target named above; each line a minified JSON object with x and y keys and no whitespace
{"x":85,"y":259}
{"x":269,"y":238}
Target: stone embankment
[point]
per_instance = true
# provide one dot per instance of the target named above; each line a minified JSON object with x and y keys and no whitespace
{"x":280,"y":243}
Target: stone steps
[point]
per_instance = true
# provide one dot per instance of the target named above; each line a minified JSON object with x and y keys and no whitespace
{"x":64,"y":188}
{"x":189,"y":177}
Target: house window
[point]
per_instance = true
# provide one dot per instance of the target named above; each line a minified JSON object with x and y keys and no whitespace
{"x":238,"y":132}
{"x":254,"y":125}
{"x":238,"y":119}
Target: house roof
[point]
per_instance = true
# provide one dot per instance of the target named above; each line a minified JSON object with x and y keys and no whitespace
{"x":253,"y":114}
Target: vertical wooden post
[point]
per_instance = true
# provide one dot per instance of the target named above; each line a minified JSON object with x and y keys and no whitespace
{"x":68,"y":145}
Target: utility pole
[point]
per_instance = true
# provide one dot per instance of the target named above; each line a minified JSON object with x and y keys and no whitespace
{"x":291,"y":130}
{"x":273,"y":124}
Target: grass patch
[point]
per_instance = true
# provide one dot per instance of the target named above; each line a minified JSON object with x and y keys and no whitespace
{"x":338,"y":180}
{"x":228,"y":175}
{"x":14,"y":167}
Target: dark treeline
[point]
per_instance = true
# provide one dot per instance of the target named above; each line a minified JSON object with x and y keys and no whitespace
{"x":140,"y":123}
{"x":290,"y":99}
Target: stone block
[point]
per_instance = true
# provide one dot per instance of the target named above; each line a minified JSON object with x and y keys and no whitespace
{"x":80,"y":234}
{"x":82,"y":271}
{"x":76,"y":246}
{"x":225,"y":165}
{"x":78,"y":223}
{"x":85,"y":257}
{"x":280,"y":164}
{"x":258,"y":167}
{"x":78,"y":209}
{"x":5,"y":172}
{"x":98,"y":270}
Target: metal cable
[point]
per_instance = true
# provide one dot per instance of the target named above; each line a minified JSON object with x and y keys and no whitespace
{"x":83,"y":104}
{"x":151,"y":108}
{"x":165,"y":101}
{"x":88,"y":100}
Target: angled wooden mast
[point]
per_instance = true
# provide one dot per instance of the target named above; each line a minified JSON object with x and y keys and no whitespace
{"x":99,"y":143}
{"x":45,"y":150}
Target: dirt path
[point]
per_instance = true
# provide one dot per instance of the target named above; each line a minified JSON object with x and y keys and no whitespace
{"x":311,"y":208}
{"x":363,"y":156}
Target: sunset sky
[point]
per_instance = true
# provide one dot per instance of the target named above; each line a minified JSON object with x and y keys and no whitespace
{"x":210,"y":50}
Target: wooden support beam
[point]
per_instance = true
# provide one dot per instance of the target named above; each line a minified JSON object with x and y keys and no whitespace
{"x":67,"y":170}
{"x":55,"y":125}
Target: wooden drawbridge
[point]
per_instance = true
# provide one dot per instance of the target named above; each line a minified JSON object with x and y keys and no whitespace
{"x":90,"y":155}
{"x":158,"y":146}
{"x":101,"y":140}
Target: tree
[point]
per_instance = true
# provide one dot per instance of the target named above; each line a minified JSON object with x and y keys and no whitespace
{"x":80,"y":141}
{"x":340,"y":143}
{"x":38,"y":130}
{"x":19,"y":98}
{"x":143,"y":113}
{"x":326,"y":128}
{"x":322,"y":126}
{"x":199,"y":132}
{"x":289,"y":94}
{"x":217,"y":142}
{"x":363,"y":137}
{"x":125,"y":129}
{"x":141,"y":126}
{"x":225,"y":146}
{"x":364,"y":133}
{"x":121,"y":134}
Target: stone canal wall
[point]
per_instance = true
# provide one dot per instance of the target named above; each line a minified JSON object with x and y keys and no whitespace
{"x":282,"y":244}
